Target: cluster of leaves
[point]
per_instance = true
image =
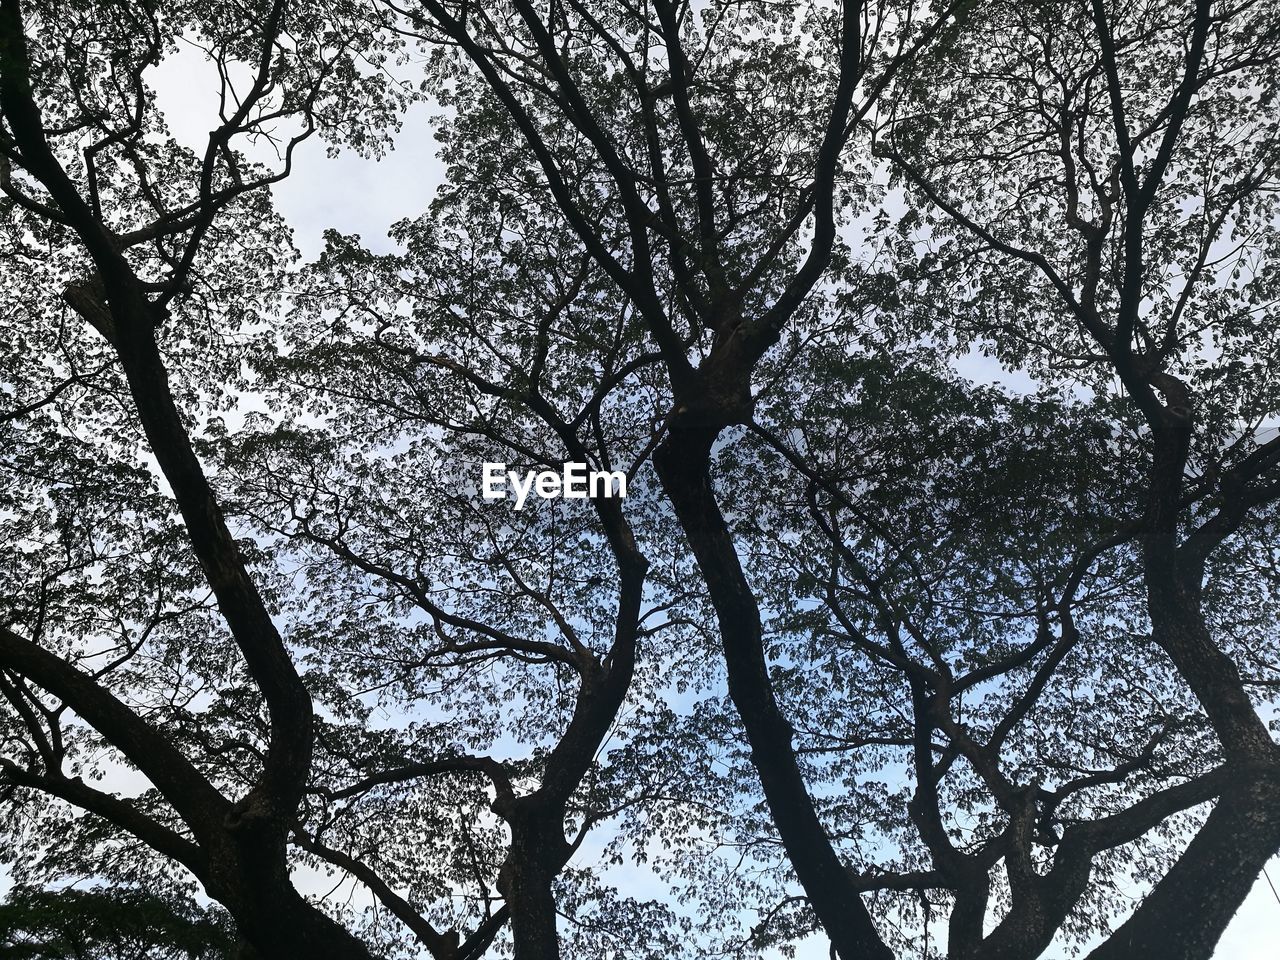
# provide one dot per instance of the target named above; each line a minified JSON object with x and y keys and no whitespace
{"x":111,"y":924}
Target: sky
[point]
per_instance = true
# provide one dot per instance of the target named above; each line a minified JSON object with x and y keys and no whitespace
{"x":365,"y":196}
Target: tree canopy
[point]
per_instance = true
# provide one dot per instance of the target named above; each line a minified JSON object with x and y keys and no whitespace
{"x":876,"y":654}
{"x":100,"y":924}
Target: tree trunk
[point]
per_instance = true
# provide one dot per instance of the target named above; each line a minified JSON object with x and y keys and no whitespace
{"x":248,"y":873}
{"x":682,"y":462}
{"x":538,"y":851}
{"x":1186,"y":913}
{"x":286,"y":927}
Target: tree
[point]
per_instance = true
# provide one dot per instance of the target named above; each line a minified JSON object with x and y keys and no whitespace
{"x":1139,"y":223}
{"x":119,"y":924}
{"x":987,"y":656}
{"x":144,"y":241}
{"x":712,"y":254}
{"x":143,"y":631}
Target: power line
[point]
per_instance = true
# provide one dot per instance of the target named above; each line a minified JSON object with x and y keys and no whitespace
{"x":1270,"y":884}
